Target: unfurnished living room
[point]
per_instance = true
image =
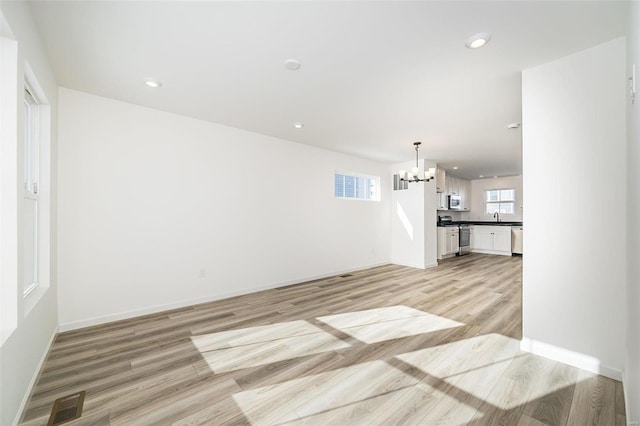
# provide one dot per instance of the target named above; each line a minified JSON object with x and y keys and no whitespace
{"x":295,"y":212}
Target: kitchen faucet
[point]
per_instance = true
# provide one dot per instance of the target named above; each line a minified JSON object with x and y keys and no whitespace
{"x":496,"y":215}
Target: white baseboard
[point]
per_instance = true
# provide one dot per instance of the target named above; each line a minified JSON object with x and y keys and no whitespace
{"x":625,"y":390}
{"x":446,"y":256}
{"x":566,"y":356}
{"x":626,"y":399}
{"x":74,"y":325}
{"x":34,"y":379}
{"x":431,"y":265}
{"x":499,"y":253}
{"x":409,"y":265}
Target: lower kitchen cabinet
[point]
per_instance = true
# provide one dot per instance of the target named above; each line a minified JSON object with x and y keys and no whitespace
{"x":452,"y":242}
{"x":481,"y":238}
{"x":491,"y":239}
{"x":502,"y":240}
{"x":448,"y":241}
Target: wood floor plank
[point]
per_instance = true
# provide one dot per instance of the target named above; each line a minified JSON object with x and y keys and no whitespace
{"x":620,"y":409}
{"x":593,"y":401}
{"x":530,"y":421}
{"x":224,"y":412}
{"x":190,"y":396}
{"x":621,"y":420}
{"x":381,"y":346}
{"x":553,"y":395}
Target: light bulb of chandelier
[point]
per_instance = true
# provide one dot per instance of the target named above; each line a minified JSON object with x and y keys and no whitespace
{"x":403,"y":174}
{"x":414,"y":171}
{"x":432,"y":172}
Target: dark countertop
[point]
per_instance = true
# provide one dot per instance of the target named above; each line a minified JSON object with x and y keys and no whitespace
{"x":490,"y":223}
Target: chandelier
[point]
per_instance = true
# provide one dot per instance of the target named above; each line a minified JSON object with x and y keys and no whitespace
{"x":413,"y":176}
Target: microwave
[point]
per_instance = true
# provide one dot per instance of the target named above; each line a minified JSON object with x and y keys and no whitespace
{"x":455,"y":202}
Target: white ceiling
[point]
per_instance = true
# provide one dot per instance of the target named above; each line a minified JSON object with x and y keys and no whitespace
{"x":375,"y":76}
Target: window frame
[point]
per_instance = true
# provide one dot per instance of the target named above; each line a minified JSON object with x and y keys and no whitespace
{"x":376,"y":191}
{"x":499,"y":201}
{"x":31,"y":175}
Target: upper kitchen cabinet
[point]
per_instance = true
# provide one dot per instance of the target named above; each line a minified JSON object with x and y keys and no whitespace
{"x":453,"y":185}
{"x":465,"y":194}
{"x":441,"y":180}
{"x":447,"y":184}
{"x":443,"y":201}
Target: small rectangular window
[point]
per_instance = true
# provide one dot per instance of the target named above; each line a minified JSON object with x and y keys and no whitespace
{"x":399,"y":185}
{"x":358,"y":187}
{"x":500,"y":200}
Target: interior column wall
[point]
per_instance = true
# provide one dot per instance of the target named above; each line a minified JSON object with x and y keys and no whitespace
{"x":413,"y":221}
{"x":574,"y":147}
{"x":632,"y":358}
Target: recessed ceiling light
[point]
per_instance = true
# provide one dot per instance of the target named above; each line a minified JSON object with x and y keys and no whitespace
{"x":298,"y":125}
{"x":481,"y":176}
{"x":478,"y":40}
{"x":292,"y":64}
{"x":153,"y":83}
{"x":495,"y":177}
{"x":455,"y":167}
{"x":513,"y":126}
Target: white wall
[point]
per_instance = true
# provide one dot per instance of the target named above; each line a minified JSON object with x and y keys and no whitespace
{"x":28,"y":331}
{"x":574,"y":166}
{"x":632,"y":359}
{"x":430,"y":220}
{"x":148,"y":199}
{"x":478,"y":186}
{"x":407,"y":223}
{"x":413,"y":221}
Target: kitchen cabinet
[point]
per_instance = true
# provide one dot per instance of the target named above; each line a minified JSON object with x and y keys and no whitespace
{"x":502,"y":240}
{"x":448,"y":241}
{"x":441,"y":180}
{"x":443,"y":201}
{"x":480,"y":238}
{"x":465,"y":194}
{"x":453,"y":186}
{"x":450,"y":185}
{"x":491,"y":239}
{"x":452,"y":241}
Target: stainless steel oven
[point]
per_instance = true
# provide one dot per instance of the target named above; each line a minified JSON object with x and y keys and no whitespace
{"x":464,"y":240}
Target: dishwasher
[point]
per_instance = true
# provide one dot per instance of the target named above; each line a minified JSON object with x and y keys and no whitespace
{"x":516,"y":240}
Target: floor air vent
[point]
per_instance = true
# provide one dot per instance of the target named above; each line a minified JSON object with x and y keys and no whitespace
{"x":66,"y":409}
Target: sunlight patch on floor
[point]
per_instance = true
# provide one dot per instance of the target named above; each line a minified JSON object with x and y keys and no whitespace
{"x":378,"y":325}
{"x":369,"y":393}
{"x":491,"y":368}
{"x":253,"y":346}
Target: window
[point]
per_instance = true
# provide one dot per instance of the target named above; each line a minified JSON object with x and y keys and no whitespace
{"x":30,"y":177}
{"x":500,"y":200}
{"x":399,"y":185}
{"x":359,"y":187}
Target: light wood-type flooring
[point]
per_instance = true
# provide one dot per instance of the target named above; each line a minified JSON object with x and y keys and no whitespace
{"x":384,"y":346}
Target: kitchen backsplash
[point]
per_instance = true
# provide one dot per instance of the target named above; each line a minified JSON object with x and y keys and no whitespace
{"x":454,"y":214}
